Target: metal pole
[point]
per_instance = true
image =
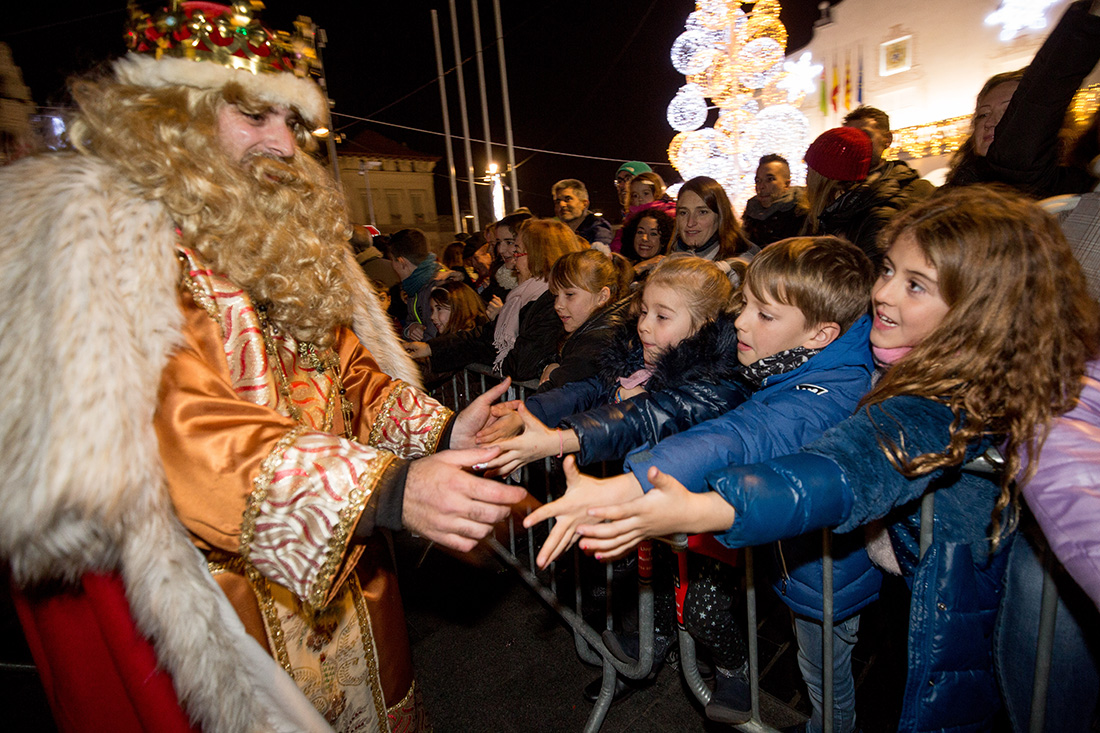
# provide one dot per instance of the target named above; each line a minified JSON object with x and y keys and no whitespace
{"x":457,"y":214}
{"x":364,"y":170}
{"x":465,"y":119}
{"x":322,"y":41}
{"x":507,"y":105}
{"x":481,"y":84}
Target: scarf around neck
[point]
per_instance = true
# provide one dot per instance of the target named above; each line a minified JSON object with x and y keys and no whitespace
{"x":507,"y":328}
{"x":421,"y":276}
{"x":781,"y":363}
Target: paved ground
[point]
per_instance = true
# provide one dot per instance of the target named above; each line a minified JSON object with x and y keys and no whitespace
{"x":492,"y":656}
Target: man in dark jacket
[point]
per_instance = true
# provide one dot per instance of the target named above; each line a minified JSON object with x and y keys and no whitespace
{"x":571,"y":206}
{"x":891,"y":186}
{"x":876,"y":124}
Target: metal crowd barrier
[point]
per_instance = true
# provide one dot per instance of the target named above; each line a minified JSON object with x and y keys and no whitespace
{"x":456,"y":393}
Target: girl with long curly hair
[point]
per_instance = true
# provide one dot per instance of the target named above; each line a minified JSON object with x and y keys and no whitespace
{"x":983,"y":326}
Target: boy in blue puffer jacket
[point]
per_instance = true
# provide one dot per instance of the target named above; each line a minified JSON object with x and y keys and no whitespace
{"x":803,"y":344}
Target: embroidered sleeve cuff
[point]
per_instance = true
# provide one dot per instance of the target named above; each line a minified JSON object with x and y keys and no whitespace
{"x":306,"y":502}
{"x":410,"y":423}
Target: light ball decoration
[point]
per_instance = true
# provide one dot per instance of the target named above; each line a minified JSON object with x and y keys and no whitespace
{"x":718,"y":81}
{"x":760,"y":61}
{"x":707,"y":152}
{"x":764,"y":22}
{"x":691,"y":52}
{"x":688,"y":109}
{"x":674,"y":148}
{"x":781,"y":129}
{"x":713,"y":14}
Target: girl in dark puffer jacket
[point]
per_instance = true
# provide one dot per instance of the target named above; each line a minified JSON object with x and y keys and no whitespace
{"x":676,"y":367}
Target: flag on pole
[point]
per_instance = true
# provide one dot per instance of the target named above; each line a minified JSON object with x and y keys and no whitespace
{"x":859,"y":83}
{"x":836,"y":85}
{"x":823,"y":101}
{"x":847,"y":82}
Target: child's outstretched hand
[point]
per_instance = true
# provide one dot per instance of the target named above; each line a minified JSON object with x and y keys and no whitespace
{"x":504,"y":422}
{"x":535,"y":442}
{"x":582,"y":492}
{"x":665,"y":509}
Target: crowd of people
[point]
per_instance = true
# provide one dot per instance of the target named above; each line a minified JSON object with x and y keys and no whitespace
{"x":205,"y":363}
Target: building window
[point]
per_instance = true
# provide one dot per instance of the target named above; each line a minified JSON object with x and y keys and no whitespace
{"x":416,"y":200}
{"x":393,"y":202}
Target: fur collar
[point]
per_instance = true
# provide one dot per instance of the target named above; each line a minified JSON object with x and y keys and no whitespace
{"x":89,"y":312}
{"x":710,"y":355}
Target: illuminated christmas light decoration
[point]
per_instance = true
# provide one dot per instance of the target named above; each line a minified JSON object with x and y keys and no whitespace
{"x":1016,"y":15}
{"x":800,"y":78}
{"x":735,"y":60}
{"x":781,"y":129}
{"x":944,"y":137}
{"x":712,"y":14}
{"x":688,"y":109}
{"x":708,"y":152}
{"x":690,"y":52}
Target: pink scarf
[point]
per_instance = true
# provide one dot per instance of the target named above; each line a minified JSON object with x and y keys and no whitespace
{"x":889,"y":357}
{"x":507,"y":328}
{"x":637,"y":379}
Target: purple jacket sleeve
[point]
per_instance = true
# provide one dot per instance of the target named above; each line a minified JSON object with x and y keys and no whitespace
{"x":1064,"y":493}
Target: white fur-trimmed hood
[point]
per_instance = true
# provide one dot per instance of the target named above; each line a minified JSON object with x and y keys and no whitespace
{"x":89,"y":314}
{"x":283,"y":88}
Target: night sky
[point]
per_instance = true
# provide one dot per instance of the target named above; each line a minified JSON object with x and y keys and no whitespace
{"x":587,"y":78}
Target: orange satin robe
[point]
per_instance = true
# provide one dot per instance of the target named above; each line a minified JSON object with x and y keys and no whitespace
{"x":259,"y":475}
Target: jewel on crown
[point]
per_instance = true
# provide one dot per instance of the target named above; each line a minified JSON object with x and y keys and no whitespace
{"x":229,"y":35}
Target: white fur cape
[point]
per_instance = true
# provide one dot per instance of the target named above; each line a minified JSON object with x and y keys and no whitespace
{"x":88,"y":316}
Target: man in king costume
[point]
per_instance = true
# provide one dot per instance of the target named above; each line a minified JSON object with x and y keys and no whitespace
{"x":196,"y":361}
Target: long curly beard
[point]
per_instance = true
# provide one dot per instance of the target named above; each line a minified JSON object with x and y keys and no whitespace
{"x":284,"y":245}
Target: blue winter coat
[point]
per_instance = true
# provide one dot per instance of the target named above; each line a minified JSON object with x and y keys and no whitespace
{"x":697,"y":380}
{"x":845,"y":480}
{"x":788,"y":411}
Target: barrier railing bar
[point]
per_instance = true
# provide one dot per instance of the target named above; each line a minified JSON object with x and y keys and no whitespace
{"x":590,"y":647}
{"x":827,"y":630}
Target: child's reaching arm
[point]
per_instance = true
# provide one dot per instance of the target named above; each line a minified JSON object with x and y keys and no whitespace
{"x":665,"y":509}
{"x":609,"y":432}
{"x":535,"y":442}
{"x":582,"y":493}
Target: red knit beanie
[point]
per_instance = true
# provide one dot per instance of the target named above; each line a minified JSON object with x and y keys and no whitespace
{"x":842,"y":154}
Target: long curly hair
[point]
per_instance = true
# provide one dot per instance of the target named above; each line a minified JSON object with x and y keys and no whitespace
{"x":275,"y":227}
{"x":1010,"y":352}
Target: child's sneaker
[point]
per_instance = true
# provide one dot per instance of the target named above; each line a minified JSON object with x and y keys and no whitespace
{"x":731,"y":702}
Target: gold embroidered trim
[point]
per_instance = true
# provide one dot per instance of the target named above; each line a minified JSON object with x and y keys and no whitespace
{"x":341,"y":533}
{"x":394,"y":709}
{"x":220,"y":562}
{"x":203,"y":298}
{"x":366,"y":631}
{"x":260,"y":486}
{"x":384,"y":413}
{"x":262,"y":589}
{"x":438,"y":420}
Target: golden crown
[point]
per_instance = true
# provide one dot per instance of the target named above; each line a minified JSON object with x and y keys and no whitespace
{"x":229,"y":35}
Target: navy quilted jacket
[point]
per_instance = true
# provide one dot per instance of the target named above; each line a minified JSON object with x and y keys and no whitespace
{"x":844,"y":480}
